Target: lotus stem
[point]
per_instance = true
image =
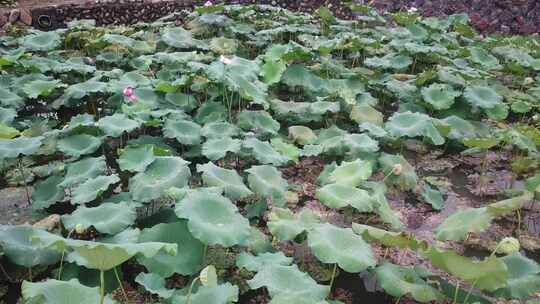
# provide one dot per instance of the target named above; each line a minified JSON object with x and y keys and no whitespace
{"x":456,"y":293}
{"x":21,"y":170}
{"x":333,"y":276}
{"x":30,"y":274}
{"x":205,"y":250}
{"x":120,"y":284}
{"x":191,"y":289}
{"x":102,"y":287}
{"x":63,"y":255}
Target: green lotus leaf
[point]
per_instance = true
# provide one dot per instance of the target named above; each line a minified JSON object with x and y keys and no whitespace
{"x":258,"y":242}
{"x":37,"y":88}
{"x":164,"y":172}
{"x":388,"y":238}
{"x":482,"y":97}
{"x":351,"y":173}
{"x":184,"y":131}
{"x":287,"y":149}
{"x":92,"y":188}
{"x":266,"y":181}
{"x":183,"y":101}
{"x":232,"y":184}
{"x":219,"y":129}
{"x":10,"y":99}
{"x":407,"y":179}
{"x":130,"y":43}
{"x":373,"y":130}
{"x":389,"y":61}
{"x":17,"y":246}
{"x":517,"y":55}
{"x":80,"y":90}
{"x":404,"y":280}
{"x":221,"y":294}
{"x":222,"y":45}
{"x":116,"y":124}
{"x":7,"y":115}
{"x":481,"y":143}
{"x":61,"y":292}
{"x":189,"y":259}
{"x":489,"y":274}
{"x":47,"y":192}
{"x":136,"y":158}
{"x":412,"y":125}
{"x":460,"y":128}
{"x":264,"y":152}
{"x":180,"y":38}
{"x":461,"y":223}
{"x":154,"y":284}
{"x":331,"y":140}
{"x":100,"y":255}
{"x":12,"y":148}
{"x":210,"y":112}
{"x":440,"y":96}
{"x":523,"y":279}
{"x":298,"y":299}
{"x":433,"y":197}
{"x":339,"y":196}
{"x":288,"y":280}
{"x":107,"y":218}
{"x":41,"y":41}
{"x":217,"y":148}
{"x":334,"y":245}
{"x":302,"y":135}
{"x":83,"y":170}
{"x":257,"y":263}
{"x":259,"y":122}
{"x":510,"y":205}
{"x":213,"y":219}
{"x":285,"y":225}
{"x":483,"y":57}
{"x":271,"y":71}
{"x":78,"y":145}
{"x":360,"y":143}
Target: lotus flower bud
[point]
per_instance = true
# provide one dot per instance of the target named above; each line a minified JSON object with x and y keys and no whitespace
{"x":508,"y":245}
{"x":528,"y":81}
{"x":208,"y":3}
{"x":225,"y":60}
{"x":396,"y":169}
{"x":79,"y":228}
{"x":208,"y":276}
{"x":128,"y":91}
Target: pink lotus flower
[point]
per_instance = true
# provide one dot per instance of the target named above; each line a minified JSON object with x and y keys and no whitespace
{"x":208,"y":3}
{"x":129,"y":92}
{"x":225,"y":60}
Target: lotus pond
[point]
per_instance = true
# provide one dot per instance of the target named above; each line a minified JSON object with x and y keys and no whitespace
{"x":249,"y":154}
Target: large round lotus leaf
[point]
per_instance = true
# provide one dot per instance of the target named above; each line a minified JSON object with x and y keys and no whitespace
{"x":107,"y":218}
{"x":222,"y":45}
{"x":334,"y":245}
{"x":228,"y":180}
{"x":389,"y":61}
{"x":184,"y":131}
{"x":10,"y":99}
{"x":287,"y":149}
{"x":36,"y":88}
{"x":92,"y":188}
{"x":523,"y":279}
{"x":83,"y":170}
{"x":440,"y":96}
{"x":155,"y":284}
{"x":482,"y":97}
{"x":101,"y":255}
{"x":77,"y":145}
{"x":339,"y":196}
{"x":288,"y":280}
{"x":165,"y":172}
{"x":267,"y":182}
{"x":285,"y":225}
{"x":458,"y":226}
{"x":413,"y":125}
{"x":483,"y":57}
{"x":12,"y":148}
{"x":402,"y":280}
{"x":61,"y":292}
{"x":221,"y":294}
{"x":213,"y":219}
{"x":365,"y":113}
{"x":360,"y":143}
{"x":136,"y":158}
{"x":190,"y":254}
{"x":41,"y":41}
{"x":217,"y":148}
{"x":180,"y":38}
{"x":264,"y":152}
{"x":259,"y":122}
{"x":351,"y":173}
{"x":211,"y":112}
{"x":7,"y":115}
{"x":47,"y":192}
{"x":16,"y":244}
{"x":117,"y":124}
{"x":406,"y":179}
{"x":302,"y":135}
{"x":257,"y":263}
{"x":219,"y":129}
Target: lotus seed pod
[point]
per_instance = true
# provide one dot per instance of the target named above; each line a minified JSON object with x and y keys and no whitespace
{"x":79,"y":228}
{"x":208,"y":276}
{"x":508,"y":245}
{"x":396,"y":169}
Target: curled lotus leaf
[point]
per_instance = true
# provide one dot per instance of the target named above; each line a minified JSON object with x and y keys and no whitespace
{"x":154,"y":284}
{"x":351,"y":173}
{"x":339,"y":196}
{"x":92,"y":188}
{"x":107,"y":218}
{"x":286,"y":225}
{"x":83,"y":170}
{"x":483,"y":57}
{"x":116,"y":124}
{"x":257,"y":263}
{"x":217,"y":148}
{"x":38,"y":87}
{"x":458,"y":226}
{"x":482,"y":97}
{"x":360,"y":143}
{"x":136,"y":158}
{"x":61,"y":292}
{"x":12,"y":148}
{"x":47,"y":192}
{"x":184,"y":131}
{"x":440,"y":96}
{"x":334,"y":245}
{"x":17,"y":246}
{"x":389,"y":238}
{"x":523,"y":279}
{"x":78,"y":145}
{"x":260,"y":122}
{"x":219,"y":129}
{"x":220,"y":294}
{"x":412,"y":125}
{"x":41,"y":41}
{"x":267,"y":182}
{"x":264,"y":152}
{"x":213,"y":219}
{"x":229,"y":180}
{"x":302,"y":135}
{"x":164,"y":173}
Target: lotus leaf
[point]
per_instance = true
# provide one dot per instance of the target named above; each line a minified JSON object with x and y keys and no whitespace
{"x":107,"y":218}
{"x":115,"y":125}
{"x":17,"y":246}
{"x":388,"y":238}
{"x":360,"y":143}
{"x":482,"y":97}
{"x":351,"y":173}
{"x":523,"y":280}
{"x":440,"y":96}
{"x":401,"y":280}
{"x":78,"y":145}
{"x":285,"y":225}
{"x":92,"y":188}
{"x":284,"y":148}
{"x":229,"y":180}
{"x":220,"y":129}
{"x":413,"y":125}
{"x":217,"y":148}
{"x":302,"y":135}
{"x":221,"y":294}
{"x":47,"y":192}
{"x":259,"y":262}
{"x":259,"y":122}
{"x":136,"y":158}
{"x":83,"y":170}
{"x":264,"y":152}
{"x":41,"y":41}
{"x":461,"y":223}
{"x":37,"y":88}
{"x":154,"y":284}
{"x":185,"y":132}
{"x":267,"y":182}
{"x":11,"y":148}
{"x":407,"y":179}
{"x":61,"y":292}
{"x":339,"y":196}
{"x":433,"y":197}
